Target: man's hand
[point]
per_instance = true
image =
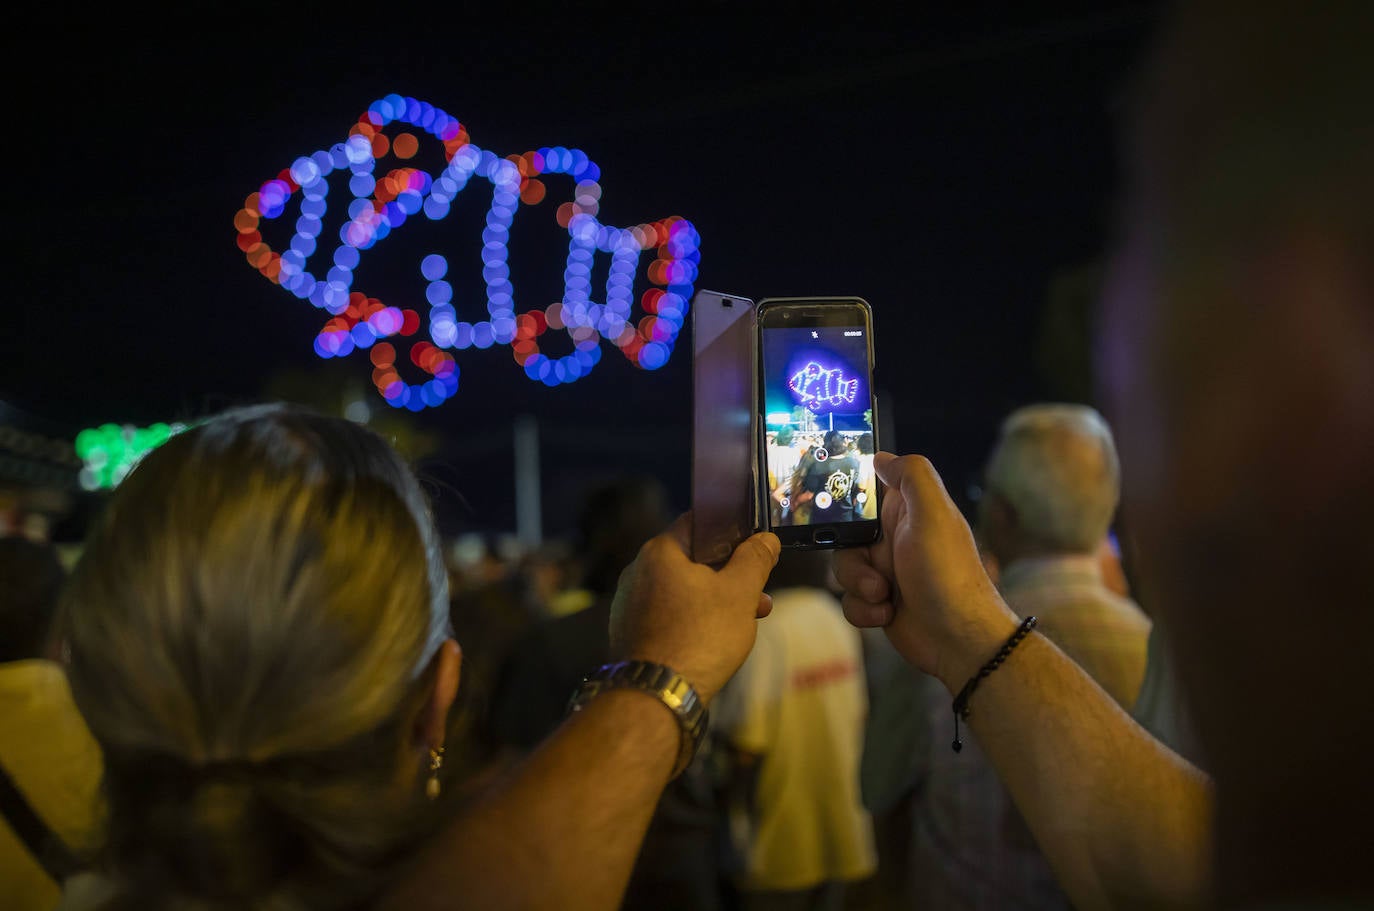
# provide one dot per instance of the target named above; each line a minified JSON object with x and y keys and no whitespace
{"x":697,"y":620}
{"x":924,"y":581}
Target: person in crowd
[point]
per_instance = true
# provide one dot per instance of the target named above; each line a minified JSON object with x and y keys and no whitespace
{"x":796,"y":506}
{"x":1109,"y":563}
{"x":488,"y":617}
{"x":259,"y":641}
{"x":540,"y":669}
{"x":1051,"y":490}
{"x":1161,"y":707}
{"x":784,"y":451}
{"x":1234,"y":356}
{"x":49,"y":763}
{"x":1049,"y":496}
{"x":792,"y":723}
{"x":895,"y":748}
{"x":866,"y":499}
{"x":1112,"y":567}
{"x":679,"y":864}
{"x":488,"y":562}
{"x":826,"y":481}
{"x":553,"y":579}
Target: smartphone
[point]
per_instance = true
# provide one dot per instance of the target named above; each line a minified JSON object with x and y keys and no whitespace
{"x":726,"y":499}
{"x":816,"y":416}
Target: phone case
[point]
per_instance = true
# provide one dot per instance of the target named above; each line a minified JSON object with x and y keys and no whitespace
{"x":727,"y":498}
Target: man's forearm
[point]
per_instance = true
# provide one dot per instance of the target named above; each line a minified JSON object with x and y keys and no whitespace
{"x":1123,"y":820}
{"x":564,"y":828}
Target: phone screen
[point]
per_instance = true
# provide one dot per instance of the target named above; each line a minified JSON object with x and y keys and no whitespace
{"x":817,"y":407}
{"x":725,"y":505}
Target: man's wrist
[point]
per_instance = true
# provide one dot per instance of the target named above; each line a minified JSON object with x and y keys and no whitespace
{"x":670,"y":689}
{"x":977,"y":639}
{"x":705,"y":692}
{"x":653,"y":730}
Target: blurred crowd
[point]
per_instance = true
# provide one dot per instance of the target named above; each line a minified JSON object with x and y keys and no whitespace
{"x":800,"y":464}
{"x":822,"y":783}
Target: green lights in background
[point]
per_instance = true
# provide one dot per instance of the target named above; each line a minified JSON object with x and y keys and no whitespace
{"x":110,"y":451}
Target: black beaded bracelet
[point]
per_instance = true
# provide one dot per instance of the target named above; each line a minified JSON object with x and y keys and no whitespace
{"x":961,"y":709}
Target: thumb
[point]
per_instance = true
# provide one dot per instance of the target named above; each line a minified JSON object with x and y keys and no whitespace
{"x":914,"y":477}
{"x":681,"y":531}
{"x":753,"y":561}
{"x":886,"y":470}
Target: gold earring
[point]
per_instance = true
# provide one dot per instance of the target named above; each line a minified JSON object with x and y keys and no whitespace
{"x":436,"y":762}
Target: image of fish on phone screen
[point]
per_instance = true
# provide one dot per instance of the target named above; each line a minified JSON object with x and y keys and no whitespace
{"x":818,"y":425}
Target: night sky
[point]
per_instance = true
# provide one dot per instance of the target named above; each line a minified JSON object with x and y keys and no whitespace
{"x":948,"y":168}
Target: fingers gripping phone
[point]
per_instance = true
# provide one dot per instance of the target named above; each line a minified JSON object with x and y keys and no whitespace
{"x":817,"y":423}
{"x":726,"y":500}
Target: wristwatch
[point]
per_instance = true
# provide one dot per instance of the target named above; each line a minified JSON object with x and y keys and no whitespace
{"x":660,"y":681}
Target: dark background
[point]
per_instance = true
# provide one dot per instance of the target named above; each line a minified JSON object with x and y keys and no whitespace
{"x":954,"y":168}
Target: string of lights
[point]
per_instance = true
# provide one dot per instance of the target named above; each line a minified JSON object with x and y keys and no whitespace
{"x":380,"y":206}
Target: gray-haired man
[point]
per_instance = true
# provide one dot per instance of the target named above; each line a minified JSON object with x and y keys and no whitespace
{"x":1051,"y":490}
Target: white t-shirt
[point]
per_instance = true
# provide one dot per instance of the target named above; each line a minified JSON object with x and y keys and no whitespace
{"x":800,"y":703}
{"x":782,"y":461}
{"x":868,"y":489}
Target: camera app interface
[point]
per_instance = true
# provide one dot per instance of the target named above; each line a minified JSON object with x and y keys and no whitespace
{"x":818,"y":417}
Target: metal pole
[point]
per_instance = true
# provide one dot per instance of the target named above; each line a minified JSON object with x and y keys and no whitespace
{"x":528,"y":521}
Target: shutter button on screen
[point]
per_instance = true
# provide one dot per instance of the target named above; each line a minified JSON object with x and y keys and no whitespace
{"x":823,"y":536}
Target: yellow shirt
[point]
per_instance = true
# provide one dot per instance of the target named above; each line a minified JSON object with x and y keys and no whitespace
{"x":53,"y":760}
{"x":1104,"y":633}
{"x":800,"y":704}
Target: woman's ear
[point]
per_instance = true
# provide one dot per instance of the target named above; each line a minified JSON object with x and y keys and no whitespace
{"x":432,"y":723}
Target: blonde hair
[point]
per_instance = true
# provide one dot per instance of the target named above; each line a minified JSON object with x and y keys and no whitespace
{"x":250,"y":628}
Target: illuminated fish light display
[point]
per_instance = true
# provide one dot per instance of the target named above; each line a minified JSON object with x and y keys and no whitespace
{"x":818,"y":388}
{"x":379,"y":205}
